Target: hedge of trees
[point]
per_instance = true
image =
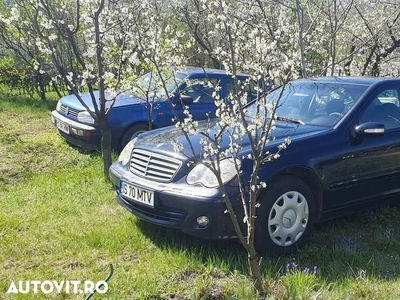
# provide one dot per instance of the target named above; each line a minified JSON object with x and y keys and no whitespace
{"x":315,"y":37}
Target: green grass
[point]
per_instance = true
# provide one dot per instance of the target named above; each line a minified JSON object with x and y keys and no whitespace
{"x":59,"y":221}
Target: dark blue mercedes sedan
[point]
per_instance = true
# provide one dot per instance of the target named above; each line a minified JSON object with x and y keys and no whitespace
{"x":149,"y":100}
{"x":344,"y":153}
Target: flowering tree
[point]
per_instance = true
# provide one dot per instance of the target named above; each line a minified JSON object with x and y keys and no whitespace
{"x":193,"y":14}
{"x":91,"y":46}
{"x":15,"y":36}
{"x":162,"y":43}
{"x":251,"y":37}
{"x":379,"y":37}
{"x":233,"y":27}
{"x":350,"y":37}
{"x":258,"y":37}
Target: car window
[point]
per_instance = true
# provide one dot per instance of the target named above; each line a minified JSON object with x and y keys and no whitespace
{"x":314,"y":102}
{"x":250,"y":88}
{"x":384,"y":109}
{"x":151,"y":84}
{"x":201,"y":89}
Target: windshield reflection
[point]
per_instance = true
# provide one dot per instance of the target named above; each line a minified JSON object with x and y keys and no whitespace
{"x":316,"y":103}
{"x":151,"y":85}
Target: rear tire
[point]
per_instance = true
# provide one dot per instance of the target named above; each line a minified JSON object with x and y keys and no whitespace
{"x":132,"y":132}
{"x":285,"y":217}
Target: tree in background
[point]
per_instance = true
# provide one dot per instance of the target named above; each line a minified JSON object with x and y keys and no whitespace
{"x":90,"y":44}
{"x":329,"y":38}
{"x":376,"y":34}
{"x":163,"y":45}
{"x":30,"y":66}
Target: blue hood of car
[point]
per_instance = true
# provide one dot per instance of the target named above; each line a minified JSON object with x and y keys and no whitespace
{"x":161,"y":140}
{"x":121,"y":100}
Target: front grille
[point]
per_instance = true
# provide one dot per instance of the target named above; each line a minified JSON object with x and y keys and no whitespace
{"x":69,"y":111}
{"x":153,"y":166}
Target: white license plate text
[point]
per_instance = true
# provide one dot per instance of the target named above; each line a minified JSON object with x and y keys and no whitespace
{"x":137,"y":194}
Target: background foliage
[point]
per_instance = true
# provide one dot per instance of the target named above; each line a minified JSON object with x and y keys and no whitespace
{"x":314,"y":38}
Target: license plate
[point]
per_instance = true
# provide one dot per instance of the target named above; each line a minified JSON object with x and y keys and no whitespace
{"x":62,"y":126}
{"x":137,"y":194}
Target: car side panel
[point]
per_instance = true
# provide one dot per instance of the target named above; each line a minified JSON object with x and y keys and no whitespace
{"x":374,"y":162}
{"x":327,"y":160}
{"x":123,"y":117}
{"x":374,"y":166}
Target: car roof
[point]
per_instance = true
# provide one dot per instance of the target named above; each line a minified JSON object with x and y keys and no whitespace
{"x":198,"y":70}
{"x":350,"y":79}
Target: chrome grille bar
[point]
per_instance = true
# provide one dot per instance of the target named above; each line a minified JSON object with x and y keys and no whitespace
{"x":69,"y":111}
{"x":153,"y":166}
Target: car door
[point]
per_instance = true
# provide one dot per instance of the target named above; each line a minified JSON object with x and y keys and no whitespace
{"x":373,"y":163}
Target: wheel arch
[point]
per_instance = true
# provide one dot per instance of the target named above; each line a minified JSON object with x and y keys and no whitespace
{"x":130,"y":126}
{"x":312,"y":180}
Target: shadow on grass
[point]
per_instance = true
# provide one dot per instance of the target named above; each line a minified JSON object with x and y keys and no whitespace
{"x":28,"y":102}
{"x":360,"y":245}
{"x":365,"y":244}
{"x":92,"y":153}
{"x":229,"y":253}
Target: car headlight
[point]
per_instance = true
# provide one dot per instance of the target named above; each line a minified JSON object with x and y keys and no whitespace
{"x":203,"y":175}
{"x":85,"y":117}
{"x":126,"y":153}
{"x":58,"y":107}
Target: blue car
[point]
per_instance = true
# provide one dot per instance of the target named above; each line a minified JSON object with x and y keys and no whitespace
{"x":131,"y":112}
{"x":344,"y":154}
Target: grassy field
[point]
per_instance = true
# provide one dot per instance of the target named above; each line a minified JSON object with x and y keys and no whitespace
{"x":59,"y":221}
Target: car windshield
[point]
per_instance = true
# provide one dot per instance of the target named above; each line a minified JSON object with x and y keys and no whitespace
{"x":150,"y":84}
{"x":313,"y":102}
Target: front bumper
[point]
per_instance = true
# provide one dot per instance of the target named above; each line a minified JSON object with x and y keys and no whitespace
{"x":78,"y":134}
{"x":178,"y":207}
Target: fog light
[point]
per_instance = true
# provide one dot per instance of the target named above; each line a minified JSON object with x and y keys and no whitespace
{"x":77,"y":131}
{"x":203,"y":221}
{"x":80,"y":132}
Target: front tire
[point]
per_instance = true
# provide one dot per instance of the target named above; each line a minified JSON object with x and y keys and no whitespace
{"x":285,"y":217}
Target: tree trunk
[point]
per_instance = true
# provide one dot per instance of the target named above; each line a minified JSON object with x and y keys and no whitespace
{"x":300,"y":23}
{"x":41,"y":87}
{"x":255,"y":270}
{"x":105,"y":144}
{"x":42,"y":91}
{"x":56,"y":89}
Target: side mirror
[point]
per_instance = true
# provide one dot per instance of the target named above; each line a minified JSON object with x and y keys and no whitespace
{"x":368,"y":129}
{"x":184,"y":99}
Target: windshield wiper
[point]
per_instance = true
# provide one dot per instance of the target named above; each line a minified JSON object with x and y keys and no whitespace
{"x":290,"y":120}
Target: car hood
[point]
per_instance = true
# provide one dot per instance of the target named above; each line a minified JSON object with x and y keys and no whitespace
{"x":121,"y":100}
{"x":162,"y":140}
